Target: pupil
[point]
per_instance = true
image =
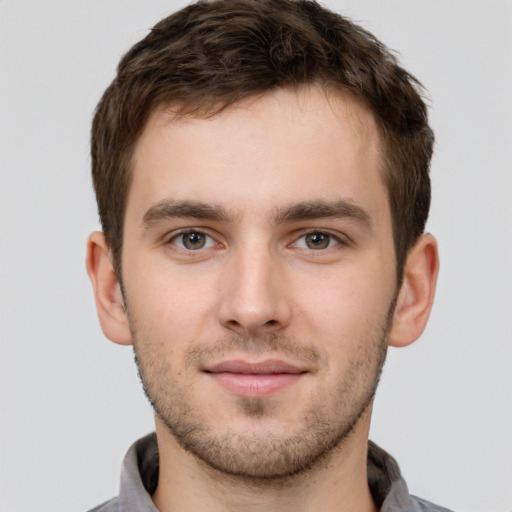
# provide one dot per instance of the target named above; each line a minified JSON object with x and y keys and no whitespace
{"x":193,"y":241}
{"x":317,"y":241}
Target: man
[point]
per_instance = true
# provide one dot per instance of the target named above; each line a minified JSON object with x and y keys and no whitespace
{"x":261,"y":171}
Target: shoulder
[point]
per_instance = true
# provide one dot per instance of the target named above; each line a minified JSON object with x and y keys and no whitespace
{"x":426,"y":506}
{"x":109,"y":506}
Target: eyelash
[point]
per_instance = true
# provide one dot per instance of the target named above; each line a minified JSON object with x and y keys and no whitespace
{"x":339,"y":240}
{"x":191,"y":231}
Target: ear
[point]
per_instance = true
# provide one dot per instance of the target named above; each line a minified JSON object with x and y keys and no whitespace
{"x":416,"y":293}
{"x":107,"y":291}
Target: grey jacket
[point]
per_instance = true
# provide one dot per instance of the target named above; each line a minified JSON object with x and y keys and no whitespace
{"x":139,"y":478}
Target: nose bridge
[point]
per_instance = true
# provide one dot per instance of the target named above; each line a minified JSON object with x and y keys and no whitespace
{"x":254,"y":296}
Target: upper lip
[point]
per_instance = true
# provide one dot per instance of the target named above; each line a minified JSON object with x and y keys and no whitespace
{"x":266,"y":367}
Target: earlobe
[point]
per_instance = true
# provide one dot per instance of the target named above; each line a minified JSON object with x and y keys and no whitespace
{"x":416,"y":295}
{"x":107,"y":291}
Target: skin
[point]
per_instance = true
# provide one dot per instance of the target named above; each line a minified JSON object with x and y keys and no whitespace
{"x":298,"y":266}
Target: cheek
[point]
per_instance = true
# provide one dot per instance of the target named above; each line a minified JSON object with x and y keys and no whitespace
{"x":170,"y":304}
{"x":340,"y":315}
{"x":345,"y":309}
{"x":349,"y":291}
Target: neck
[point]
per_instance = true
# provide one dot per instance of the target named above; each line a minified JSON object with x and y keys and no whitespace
{"x":336,"y":483}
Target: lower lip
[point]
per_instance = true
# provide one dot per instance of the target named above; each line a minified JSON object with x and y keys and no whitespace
{"x":255,"y":385}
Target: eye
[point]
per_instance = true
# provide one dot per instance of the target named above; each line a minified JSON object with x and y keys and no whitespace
{"x":316,"y":241}
{"x":193,"y":241}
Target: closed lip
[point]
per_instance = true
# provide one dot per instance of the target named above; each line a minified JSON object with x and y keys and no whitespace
{"x":266,"y":367}
{"x":255,"y":379}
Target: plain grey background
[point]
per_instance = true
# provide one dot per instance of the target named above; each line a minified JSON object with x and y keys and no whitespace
{"x":71,"y":403}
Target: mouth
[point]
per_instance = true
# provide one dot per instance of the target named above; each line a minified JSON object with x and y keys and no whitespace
{"x":255,"y":379}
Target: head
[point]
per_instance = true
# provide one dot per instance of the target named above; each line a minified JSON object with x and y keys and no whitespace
{"x":261,"y":169}
{"x":216,"y":54}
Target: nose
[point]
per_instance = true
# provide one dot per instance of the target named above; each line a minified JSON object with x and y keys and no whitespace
{"x":254,"y":300}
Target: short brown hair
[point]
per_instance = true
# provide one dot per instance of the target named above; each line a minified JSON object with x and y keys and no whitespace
{"x":213,"y":54}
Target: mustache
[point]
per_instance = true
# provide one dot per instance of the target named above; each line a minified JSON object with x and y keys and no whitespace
{"x":271,"y":344}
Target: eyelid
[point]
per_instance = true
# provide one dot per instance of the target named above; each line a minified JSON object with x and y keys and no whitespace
{"x":174,"y":235}
{"x":340,"y":238}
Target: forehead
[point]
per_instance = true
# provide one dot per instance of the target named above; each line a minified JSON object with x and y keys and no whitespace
{"x":283,"y":147}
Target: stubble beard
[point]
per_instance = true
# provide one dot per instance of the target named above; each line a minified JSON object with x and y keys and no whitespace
{"x":265,"y":457}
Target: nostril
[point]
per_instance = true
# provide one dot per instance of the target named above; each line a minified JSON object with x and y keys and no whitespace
{"x":271,"y":322}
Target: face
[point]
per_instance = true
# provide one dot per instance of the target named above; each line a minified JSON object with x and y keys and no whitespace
{"x":259,"y":278}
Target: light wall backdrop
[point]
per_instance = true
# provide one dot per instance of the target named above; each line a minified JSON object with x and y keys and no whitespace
{"x":70,"y":401}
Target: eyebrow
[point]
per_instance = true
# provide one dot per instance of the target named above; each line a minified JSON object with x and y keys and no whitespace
{"x":308,"y":210}
{"x":311,"y":210}
{"x":168,"y":209}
